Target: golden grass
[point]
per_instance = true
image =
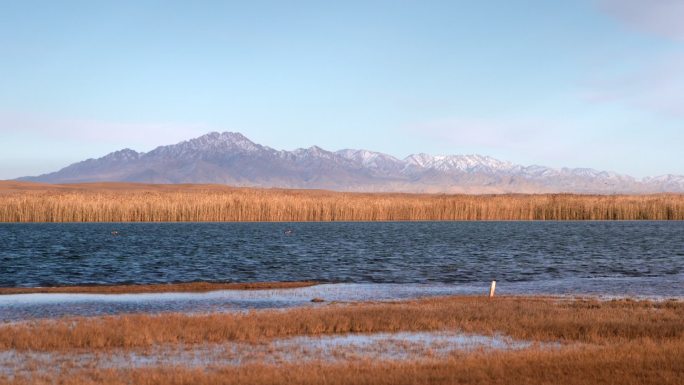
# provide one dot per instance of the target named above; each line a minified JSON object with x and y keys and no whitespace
{"x":538,"y":319}
{"x":640,"y":362}
{"x":192,"y":287}
{"x":614,"y":342}
{"x":120,"y":202}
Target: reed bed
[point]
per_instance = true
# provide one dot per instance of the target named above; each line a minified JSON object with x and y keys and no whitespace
{"x":601,"y":342}
{"x":537,"y":319}
{"x":640,"y":362}
{"x":120,"y":202}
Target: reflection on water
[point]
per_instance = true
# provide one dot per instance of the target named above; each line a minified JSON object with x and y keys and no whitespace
{"x":31,"y":306}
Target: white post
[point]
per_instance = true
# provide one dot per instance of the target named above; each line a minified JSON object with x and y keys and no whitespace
{"x":492,"y":289}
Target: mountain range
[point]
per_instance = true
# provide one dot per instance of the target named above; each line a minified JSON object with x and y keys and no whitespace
{"x":231,"y":158}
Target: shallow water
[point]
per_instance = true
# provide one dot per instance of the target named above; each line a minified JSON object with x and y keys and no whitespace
{"x":18,"y":307}
{"x":32,"y":306}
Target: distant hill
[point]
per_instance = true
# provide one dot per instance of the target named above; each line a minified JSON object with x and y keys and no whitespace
{"x":232,"y":159}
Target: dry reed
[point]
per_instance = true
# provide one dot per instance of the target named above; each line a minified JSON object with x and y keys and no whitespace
{"x":614,"y":342}
{"x":538,"y":319}
{"x":119,"y":202}
{"x":640,"y":362}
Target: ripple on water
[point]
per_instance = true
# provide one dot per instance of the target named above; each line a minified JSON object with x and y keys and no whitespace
{"x":54,"y":254}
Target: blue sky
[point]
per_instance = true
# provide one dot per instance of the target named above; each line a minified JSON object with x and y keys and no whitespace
{"x":582,"y":83}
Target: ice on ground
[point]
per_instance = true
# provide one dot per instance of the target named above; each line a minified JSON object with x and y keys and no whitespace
{"x":400,"y":346}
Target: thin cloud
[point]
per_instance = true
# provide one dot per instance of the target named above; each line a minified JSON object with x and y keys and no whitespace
{"x":128,"y":134}
{"x":565,"y":141}
{"x":481,"y":132}
{"x":660,"y":17}
{"x":519,"y":140}
{"x":657,"y":87}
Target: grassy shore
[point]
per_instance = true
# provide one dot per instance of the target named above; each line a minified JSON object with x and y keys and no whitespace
{"x":529,"y":318}
{"x":597,"y":342}
{"x":122,"y":202}
{"x":637,"y":363}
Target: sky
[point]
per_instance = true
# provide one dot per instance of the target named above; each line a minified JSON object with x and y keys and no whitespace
{"x":582,"y":83}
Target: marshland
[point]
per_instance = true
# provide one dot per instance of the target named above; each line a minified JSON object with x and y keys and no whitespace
{"x":341,"y":192}
{"x":126,"y":202}
{"x":541,"y":340}
{"x":164,"y":284}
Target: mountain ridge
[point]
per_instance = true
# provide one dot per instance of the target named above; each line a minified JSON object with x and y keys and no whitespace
{"x":231,"y":158}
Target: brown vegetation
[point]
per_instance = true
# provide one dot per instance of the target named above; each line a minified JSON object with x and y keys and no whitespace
{"x":119,"y":202}
{"x":635,"y":363}
{"x":611,"y":342}
{"x":192,"y":287}
{"x":539,"y":319}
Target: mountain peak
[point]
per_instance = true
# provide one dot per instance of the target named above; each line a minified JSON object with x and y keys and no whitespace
{"x":122,"y":155}
{"x":231,"y":158}
{"x":211,"y":143}
{"x":420,"y":160}
{"x":452,"y":163}
{"x":223,"y":139}
{"x":313,"y":152}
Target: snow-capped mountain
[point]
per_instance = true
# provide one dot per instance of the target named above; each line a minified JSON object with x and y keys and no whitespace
{"x":450,"y":163}
{"x":231,"y":158}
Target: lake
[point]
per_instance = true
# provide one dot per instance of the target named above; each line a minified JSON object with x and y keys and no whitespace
{"x":629,"y":257}
{"x":353,"y":261}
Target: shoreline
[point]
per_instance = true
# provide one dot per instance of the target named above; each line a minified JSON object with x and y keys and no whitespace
{"x":189,"y":287}
{"x":534,"y":318}
{"x":202,"y":287}
{"x":263,"y":297}
{"x":351,"y":221}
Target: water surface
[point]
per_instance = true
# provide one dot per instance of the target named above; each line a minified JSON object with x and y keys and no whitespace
{"x":405,"y":252}
{"x":357,"y":261}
